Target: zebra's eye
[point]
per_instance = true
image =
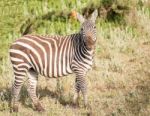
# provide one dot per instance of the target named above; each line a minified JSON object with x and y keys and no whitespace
{"x":94,"y":27}
{"x":81,"y":29}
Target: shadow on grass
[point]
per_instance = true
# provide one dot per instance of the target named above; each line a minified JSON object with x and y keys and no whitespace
{"x":57,"y":95}
{"x":5,"y":97}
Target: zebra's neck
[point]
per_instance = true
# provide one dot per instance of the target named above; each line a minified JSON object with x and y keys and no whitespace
{"x":82,"y":48}
{"x":83,"y":45}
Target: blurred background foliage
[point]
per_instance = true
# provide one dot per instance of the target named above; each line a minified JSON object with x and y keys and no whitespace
{"x":19,"y":17}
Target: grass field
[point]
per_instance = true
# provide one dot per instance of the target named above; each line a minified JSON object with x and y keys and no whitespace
{"x":118,"y":84}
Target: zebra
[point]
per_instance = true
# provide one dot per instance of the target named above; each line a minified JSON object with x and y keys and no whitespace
{"x":53,"y":56}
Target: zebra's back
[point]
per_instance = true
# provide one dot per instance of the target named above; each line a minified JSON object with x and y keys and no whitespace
{"x":49,"y":56}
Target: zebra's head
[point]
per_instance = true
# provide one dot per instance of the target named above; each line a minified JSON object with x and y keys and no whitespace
{"x":88,"y":28}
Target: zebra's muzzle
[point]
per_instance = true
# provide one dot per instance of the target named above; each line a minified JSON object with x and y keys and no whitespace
{"x":90,"y":42}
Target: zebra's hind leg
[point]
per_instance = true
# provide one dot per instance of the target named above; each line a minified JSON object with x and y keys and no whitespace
{"x":19,"y":78}
{"x":33,"y":76}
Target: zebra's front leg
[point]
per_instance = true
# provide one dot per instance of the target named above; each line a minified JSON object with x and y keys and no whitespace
{"x":76,"y":94}
{"x":32,"y":83}
{"x":81,"y":85}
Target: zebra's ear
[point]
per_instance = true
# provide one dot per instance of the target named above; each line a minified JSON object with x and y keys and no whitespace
{"x":80,"y":17}
{"x":94,"y":15}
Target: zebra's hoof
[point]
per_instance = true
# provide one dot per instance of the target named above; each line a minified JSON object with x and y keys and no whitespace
{"x":75,"y":105}
{"x":14,"y":108}
{"x":39,"y":108}
{"x":87,"y":106}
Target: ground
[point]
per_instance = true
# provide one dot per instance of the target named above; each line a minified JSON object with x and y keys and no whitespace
{"x":118,"y":85}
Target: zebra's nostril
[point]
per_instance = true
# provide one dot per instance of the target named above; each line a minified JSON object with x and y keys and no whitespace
{"x":89,"y":34}
{"x":89,"y":37}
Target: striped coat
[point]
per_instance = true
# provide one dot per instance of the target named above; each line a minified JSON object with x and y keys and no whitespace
{"x":52,"y":56}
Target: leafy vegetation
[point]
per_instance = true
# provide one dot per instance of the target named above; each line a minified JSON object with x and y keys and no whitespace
{"x":119,"y":82}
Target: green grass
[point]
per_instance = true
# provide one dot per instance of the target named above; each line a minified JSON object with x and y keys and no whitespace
{"x":119,"y":82}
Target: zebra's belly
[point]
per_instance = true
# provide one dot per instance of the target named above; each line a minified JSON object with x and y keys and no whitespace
{"x":56,"y":71}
